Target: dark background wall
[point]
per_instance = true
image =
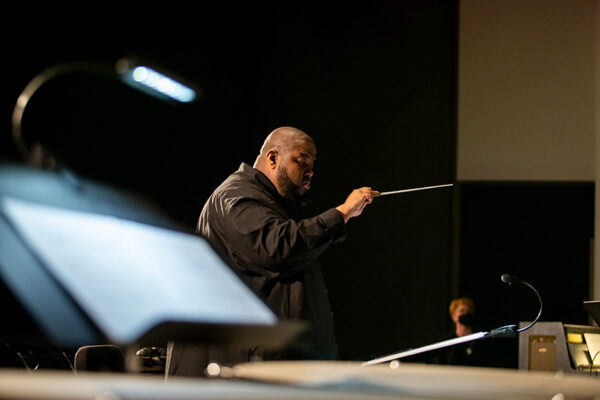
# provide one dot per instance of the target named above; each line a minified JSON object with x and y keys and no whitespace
{"x":539,"y":231}
{"x":373,"y":84}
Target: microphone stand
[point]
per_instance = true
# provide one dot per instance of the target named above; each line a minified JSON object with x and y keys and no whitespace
{"x":510,"y":330}
{"x":501,"y":332}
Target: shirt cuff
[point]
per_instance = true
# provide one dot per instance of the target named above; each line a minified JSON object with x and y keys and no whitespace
{"x":334,"y":223}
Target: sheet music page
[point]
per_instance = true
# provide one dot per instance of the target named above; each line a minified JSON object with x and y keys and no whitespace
{"x":129,"y":276}
{"x":593,"y":343}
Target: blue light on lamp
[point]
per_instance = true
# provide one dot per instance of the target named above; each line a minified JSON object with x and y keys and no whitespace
{"x":163,"y":84}
{"x":154,"y":83}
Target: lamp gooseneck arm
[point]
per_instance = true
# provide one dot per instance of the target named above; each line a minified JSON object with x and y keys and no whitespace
{"x":35,"y":155}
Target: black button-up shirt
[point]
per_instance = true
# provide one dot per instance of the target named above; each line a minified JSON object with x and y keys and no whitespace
{"x":263,"y":238}
{"x":261,"y":235}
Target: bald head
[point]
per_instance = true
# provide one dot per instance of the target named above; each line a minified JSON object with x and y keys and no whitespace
{"x":284,"y":139}
{"x":287,"y":158}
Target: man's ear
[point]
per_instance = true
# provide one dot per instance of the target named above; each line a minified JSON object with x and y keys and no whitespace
{"x":272,"y":158}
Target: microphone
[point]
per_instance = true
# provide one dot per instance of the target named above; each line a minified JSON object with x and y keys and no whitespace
{"x":506,"y":278}
{"x":510,"y":330}
{"x":503,"y":331}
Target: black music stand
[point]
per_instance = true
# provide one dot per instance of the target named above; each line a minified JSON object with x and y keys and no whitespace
{"x":93,"y":265}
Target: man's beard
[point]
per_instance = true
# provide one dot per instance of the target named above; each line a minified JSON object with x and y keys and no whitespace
{"x":289,"y":188}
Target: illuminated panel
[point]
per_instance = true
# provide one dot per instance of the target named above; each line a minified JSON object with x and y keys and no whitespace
{"x":574,"y":337}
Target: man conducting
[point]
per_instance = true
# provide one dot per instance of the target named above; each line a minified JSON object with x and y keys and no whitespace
{"x":252,"y":222}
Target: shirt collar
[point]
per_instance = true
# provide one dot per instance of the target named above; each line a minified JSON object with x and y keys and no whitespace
{"x":258,"y":176}
{"x":261,"y":179}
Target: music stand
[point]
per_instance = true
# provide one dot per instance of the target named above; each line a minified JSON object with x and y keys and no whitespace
{"x":430,"y":347}
{"x":92,"y":265}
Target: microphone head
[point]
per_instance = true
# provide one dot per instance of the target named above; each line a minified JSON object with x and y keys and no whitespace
{"x":506,"y":278}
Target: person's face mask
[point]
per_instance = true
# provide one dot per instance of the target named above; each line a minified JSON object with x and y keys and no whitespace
{"x":466,"y":319}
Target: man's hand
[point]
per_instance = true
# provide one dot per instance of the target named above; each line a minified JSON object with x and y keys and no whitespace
{"x":356,"y":202}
